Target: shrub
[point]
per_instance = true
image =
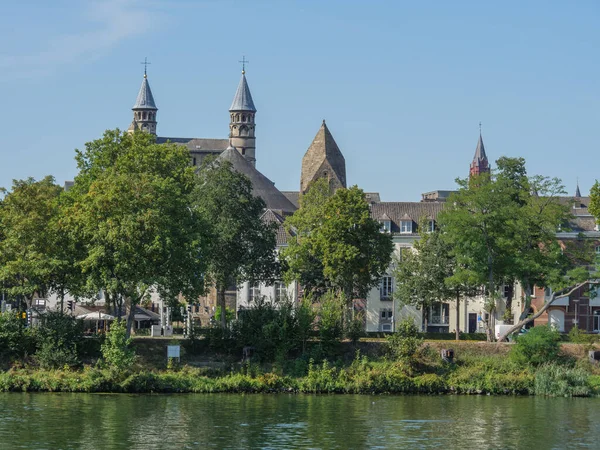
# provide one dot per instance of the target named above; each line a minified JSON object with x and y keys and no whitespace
{"x":356,"y":328}
{"x":116,"y":349}
{"x":539,"y":345}
{"x":15,"y":339}
{"x":405,"y":342}
{"x":59,"y":341}
{"x":330,"y":320}
{"x":560,"y":381}
{"x":579,"y":336}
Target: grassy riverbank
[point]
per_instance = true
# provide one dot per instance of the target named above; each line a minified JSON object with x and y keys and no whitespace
{"x":479,"y":368}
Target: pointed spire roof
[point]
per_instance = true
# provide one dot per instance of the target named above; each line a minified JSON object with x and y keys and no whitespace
{"x":261,"y":185}
{"x":480,"y":151}
{"x":243,"y":99}
{"x":145,"y":99}
{"x":323,"y":159}
{"x":577,"y":191}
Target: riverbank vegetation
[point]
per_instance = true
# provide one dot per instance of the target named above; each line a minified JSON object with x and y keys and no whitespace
{"x":405,"y":363}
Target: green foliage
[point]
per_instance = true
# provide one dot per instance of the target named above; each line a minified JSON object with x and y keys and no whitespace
{"x":579,"y":336}
{"x":229,"y":313}
{"x":561,"y":381}
{"x":334,"y":243}
{"x":27,"y":241}
{"x":15,"y":339}
{"x":538,"y":346}
{"x":405,"y":342}
{"x":116,"y":349}
{"x":129,"y":211}
{"x":59,"y":341}
{"x":330,"y":320}
{"x":355,"y":328}
{"x":240,"y":244}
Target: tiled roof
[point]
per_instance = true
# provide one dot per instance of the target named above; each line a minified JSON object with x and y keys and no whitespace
{"x":278,"y":217}
{"x":197,"y":144}
{"x":145,"y":100}
{"x":243,"y":99}
{"x":396,"y":212}
{"x":261,"y":185}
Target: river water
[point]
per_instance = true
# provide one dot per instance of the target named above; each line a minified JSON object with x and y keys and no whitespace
{"x":196,"y":421}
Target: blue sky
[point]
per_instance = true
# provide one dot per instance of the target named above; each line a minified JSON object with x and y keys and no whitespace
{"x":402,"y":84}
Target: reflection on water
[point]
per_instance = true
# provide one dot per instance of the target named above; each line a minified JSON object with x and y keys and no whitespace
{"x":91,"y":421}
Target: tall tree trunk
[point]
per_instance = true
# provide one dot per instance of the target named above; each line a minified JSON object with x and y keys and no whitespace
{"x":129,"y":302}
{"x":222,"y":305}
{"x":457,"y":315}
{"x":489,"y":323}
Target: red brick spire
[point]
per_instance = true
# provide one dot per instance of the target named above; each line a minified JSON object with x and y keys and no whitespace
{"x":480,"y":162}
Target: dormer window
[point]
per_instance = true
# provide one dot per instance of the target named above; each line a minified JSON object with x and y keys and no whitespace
{"x":406,"y":226}
{"x":386,"y":226}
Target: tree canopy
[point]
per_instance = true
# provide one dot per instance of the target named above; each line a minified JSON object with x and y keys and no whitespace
{"x":240,"y":244}
{"x":335,"y":244}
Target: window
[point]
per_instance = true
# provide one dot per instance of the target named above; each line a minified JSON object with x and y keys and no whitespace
{"x":194,"y":163}
{"x":280,"y":291}
{"x":507,"y":291}
{"x":406,"y":226}
{"x":253,"y":293}
{"x":386,"y":226}
{"x":431,"y":226}
{"x":386,"y":288}
{"x":598,"y":250}
{"x":386,"y":327}
{"x":440,"y":314}
{"x":386,"y":313}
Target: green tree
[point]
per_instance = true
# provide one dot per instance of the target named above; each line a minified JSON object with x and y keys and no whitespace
{"x":335,"y":244}
{"x":27,"y":250}
{"x":240,"y":245}
{"x":130,"y":207}
{"x":429,"y":274}
{"x":502,"y":229}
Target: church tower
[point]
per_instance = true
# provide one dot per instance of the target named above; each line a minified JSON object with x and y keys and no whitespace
{"x":241,"y":122}
{"x":144,"y":110}
{"x":480,"y":162}
{"x":323,"y":159}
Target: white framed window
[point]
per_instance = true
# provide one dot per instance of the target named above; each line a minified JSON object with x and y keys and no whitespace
{"x":386,"y":327}
{"x":386,"y":226}
{"x":431,"y":226}
{"x":406,"y":226}
{"x":280,"y":291}
{"x":440,"y":314}
{"x":253,"y":293}
{"x":385,"y":313}
{"x":386,"y":288}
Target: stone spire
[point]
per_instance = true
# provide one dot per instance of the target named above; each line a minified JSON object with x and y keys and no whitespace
{"x":480,"y":162}
{"x":577,"y":191}
{"x":144,"y":110}
{"x":241,"y":123}
{"x":323,"y":159}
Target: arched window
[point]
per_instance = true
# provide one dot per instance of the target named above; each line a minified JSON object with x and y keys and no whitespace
{"x":556,"y":319}
{"x":243,"y":131}
{"x":243,"y":118}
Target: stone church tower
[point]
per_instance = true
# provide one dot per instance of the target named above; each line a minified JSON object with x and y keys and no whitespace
{"x":323,"y":159}
{"x":144,"y":110}
{"x":480,"y":162}
{"x":241,"y":122}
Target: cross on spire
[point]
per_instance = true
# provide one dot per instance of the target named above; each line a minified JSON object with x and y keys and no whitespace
{"x":480,"y":127}
{"x":145,"y":63}
{"x":244,"y":61}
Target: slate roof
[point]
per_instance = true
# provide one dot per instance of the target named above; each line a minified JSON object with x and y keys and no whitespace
{"x":582,"y":220}
{"x":197,"y":144}
{"x":261,"y":185}
{"x":242,"y":101}
{"x":294,"y":197}
{"x":145,"y":99}
{"x":480,"y":155}
{"x":399,"y":211}
{"x":277,"y":217}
